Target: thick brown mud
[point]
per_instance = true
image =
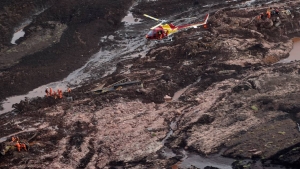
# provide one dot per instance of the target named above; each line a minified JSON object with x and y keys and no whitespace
{"x":227,"y":93}
{"x":53,"y":59}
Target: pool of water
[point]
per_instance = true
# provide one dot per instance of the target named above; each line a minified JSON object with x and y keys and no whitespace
{"x":38,"y":92}
{"x":17,"y":35}
{"x":193,"y":159}
{"x":105,"y":59}
{"x":129,"y":19}
{"x":295,"y":52}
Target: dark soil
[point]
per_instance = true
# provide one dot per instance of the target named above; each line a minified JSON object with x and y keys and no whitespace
{"x":57,"y":61}
{"x":73,"y":137}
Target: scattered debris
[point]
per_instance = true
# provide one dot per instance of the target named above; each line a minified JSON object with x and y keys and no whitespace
{"x":257,"y":154}
{"x":115,"y":86}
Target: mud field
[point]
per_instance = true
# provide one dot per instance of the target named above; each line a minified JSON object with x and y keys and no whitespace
{"x":221,"y":97}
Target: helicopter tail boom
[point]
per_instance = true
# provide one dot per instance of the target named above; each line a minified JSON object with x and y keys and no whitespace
{"x":195,"y":25}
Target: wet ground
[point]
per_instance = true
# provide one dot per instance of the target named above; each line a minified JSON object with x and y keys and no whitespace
{"x":226,"y":92}
{"x":295,"y":53}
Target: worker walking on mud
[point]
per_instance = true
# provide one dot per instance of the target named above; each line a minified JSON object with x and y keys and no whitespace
{"x":277,"y":11}
{"x":47,"y":91}
{"x":50,"y":91}
{"x":69,"y":91}
{"x":268,"y":13}
{"x":59,"y":93}
{"x":261,"y":16}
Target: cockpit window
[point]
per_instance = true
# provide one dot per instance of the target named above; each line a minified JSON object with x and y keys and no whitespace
{"x":151,"y":33}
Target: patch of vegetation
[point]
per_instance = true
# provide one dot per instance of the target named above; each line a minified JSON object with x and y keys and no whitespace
{"x":254,"y":108}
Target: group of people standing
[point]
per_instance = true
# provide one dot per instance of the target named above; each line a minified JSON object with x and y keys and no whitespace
{"x":270,"y":13}
{"x":56,"y":94}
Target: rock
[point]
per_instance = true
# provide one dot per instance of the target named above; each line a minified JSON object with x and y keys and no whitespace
{"x":167,"y":98}
{"x":242,"y":86}
{"x":257,"y":153}
{"x":255,"y":84}
{"x":205,"y":119}
{"x":198,"y":100}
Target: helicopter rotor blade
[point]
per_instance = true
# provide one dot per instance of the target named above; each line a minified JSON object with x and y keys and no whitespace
{"x":156,"y":25}
{"x":151,"y":17}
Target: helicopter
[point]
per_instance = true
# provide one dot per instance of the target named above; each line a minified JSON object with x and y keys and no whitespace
{"x":161,"y":30}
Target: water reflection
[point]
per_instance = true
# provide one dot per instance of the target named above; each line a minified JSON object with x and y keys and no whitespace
{"x":17,"y":36}
{"x":295,"y":52}
{"x":129,"y":19}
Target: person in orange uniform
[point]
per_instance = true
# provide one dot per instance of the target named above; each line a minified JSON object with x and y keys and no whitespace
{"x":268,"y":13}
{"x":69,"y":91}
{"x":261,"y":16}
{"x":18,"y":144}
{"x":60,"y":94}
{"x":21,"y":145}
{"x":50,"y":91}
{"x":47,"y":92}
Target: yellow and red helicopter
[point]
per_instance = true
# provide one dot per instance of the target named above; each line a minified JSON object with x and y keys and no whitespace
{"x":162,"y":30}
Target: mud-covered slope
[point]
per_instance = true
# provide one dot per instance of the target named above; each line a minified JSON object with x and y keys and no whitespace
{"x":226,"y":91}
{"x":57,"y":42}
{"x":14,"y":12}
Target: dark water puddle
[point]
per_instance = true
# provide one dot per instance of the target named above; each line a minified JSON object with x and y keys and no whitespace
{"x":103,"y":58}
{"x":17,"y":35}
{"x":38,"y":92}
{"x":19,"y":30}
{"x":129,"y":19}
{"x":193,"y":159}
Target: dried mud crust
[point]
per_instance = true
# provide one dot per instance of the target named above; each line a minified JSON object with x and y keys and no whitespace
{"x":236,"y":101}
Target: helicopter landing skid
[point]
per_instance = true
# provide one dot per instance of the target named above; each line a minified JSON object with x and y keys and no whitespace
{"x":168,"y":39}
